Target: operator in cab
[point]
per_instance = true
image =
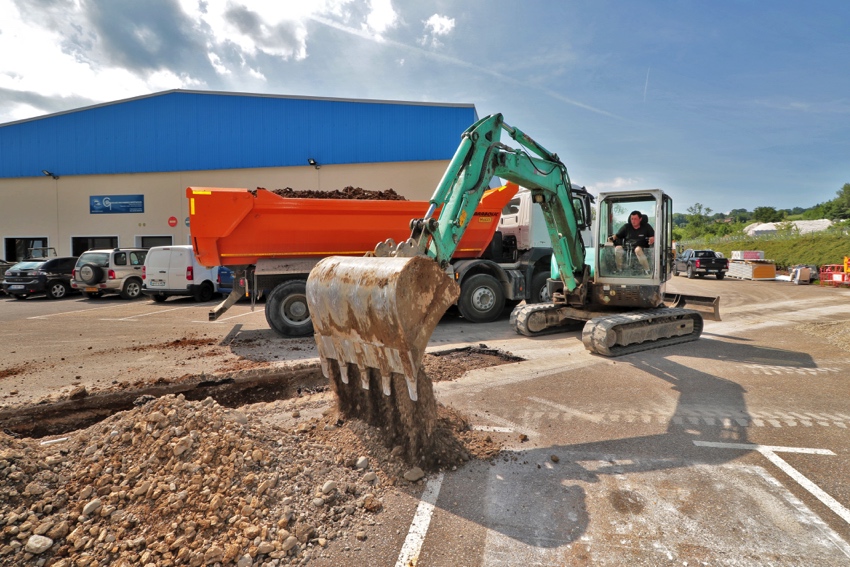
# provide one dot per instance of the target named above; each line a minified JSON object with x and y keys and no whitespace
{"x":637,"y":234}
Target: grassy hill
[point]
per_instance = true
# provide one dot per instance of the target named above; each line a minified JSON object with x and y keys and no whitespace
{"x":829,"y":247}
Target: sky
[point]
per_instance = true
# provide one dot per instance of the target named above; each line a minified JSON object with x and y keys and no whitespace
{"x":726,"y":104}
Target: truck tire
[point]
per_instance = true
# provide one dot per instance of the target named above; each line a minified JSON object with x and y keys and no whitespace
{"x":132,"y":289}
{"x":690,"y":272}
{"x":286,"y":309}
{"x":675,"y":269}
{"x":204,"y":292}
{"x":539,"y":291}
{"x":481,"y":299}
{"x":720,"y":275}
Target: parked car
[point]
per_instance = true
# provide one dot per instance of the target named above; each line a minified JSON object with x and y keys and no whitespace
{"x":699,"y":263}
{"x":40,"y":277}
{"x":174,"y":270}
{"x":99,"y":272}
{"x":225,"y":283}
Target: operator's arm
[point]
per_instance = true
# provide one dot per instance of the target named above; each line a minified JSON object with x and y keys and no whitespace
{"x":621,"y":234}
{"x":650,"y":233}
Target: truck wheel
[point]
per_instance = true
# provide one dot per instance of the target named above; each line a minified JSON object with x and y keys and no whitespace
{"x":481,"y":299}
{"x":690,"y":272}
{"x":132,"y":289}
{"x":56,"y":290}
{"x":286,"y":309}
{"x":539,"y":292}
{"x":675,"y":270}
{"x":720,"y":275}
{"x":204,"y":292}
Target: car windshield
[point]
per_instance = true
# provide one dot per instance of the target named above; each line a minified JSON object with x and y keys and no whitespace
{"x":23,"y":266}
{"x":97,"y":258}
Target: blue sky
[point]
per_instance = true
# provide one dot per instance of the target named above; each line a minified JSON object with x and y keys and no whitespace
{"x":728,"y":104}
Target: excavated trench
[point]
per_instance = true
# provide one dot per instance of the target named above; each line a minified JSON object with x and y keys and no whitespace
{"x":48,"y":418}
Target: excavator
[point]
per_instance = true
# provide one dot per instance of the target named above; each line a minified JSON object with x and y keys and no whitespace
{"x":373,"y":315}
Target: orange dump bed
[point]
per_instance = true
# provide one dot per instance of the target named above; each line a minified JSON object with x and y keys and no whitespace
{"x":232,"y":227}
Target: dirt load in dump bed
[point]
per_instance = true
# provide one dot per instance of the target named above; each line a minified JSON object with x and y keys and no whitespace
{"x":346,"y":193}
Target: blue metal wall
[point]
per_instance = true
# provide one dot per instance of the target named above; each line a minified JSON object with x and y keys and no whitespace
{"x":190,"y":130}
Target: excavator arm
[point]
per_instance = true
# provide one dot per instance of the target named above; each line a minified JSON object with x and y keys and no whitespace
{"x":480,"y":157}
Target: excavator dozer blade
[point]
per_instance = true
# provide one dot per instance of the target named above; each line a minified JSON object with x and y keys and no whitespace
{"x":707,"y":306}
{"x":372,"y":318}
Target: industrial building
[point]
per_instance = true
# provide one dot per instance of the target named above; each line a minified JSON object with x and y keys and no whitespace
{"x":115,"y":174}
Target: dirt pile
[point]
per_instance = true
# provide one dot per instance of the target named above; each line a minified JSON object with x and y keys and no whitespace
{"x":345,"y":193}
{"x":175,"y":482}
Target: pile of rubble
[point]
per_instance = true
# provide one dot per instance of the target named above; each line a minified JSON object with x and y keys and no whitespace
{"x":176,"y":482}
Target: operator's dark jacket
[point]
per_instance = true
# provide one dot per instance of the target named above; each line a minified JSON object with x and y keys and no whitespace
{"x":639,"y":236}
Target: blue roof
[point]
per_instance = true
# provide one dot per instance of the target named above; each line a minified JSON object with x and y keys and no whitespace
{"x":182,"y":130}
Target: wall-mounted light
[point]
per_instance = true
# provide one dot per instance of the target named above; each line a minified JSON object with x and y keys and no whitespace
{"x":313,"y":162}
{"x":48,"y":174}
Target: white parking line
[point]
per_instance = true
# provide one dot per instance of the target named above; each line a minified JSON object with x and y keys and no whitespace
{"x":131,"y":317}
{"x":409,"y":554}
{"x":71,"y":312}
{"x":223,"y":319}
{"x":770,"y":453}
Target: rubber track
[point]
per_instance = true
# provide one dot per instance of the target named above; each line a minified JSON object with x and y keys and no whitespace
{"x":521,"y":315}
{"x":602,"y":326}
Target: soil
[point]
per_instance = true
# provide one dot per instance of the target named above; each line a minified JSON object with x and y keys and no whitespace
{"x":176,"y":481}
{"x":345,"y":193}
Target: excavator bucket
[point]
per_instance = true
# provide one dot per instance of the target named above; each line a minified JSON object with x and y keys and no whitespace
{"x":707,"y":306}
{"x":372,"y":318}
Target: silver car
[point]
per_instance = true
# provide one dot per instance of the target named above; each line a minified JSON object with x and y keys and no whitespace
{"x":99,"y":272}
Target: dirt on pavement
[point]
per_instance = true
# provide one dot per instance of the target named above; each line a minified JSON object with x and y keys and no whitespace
{"x":175,"y":481}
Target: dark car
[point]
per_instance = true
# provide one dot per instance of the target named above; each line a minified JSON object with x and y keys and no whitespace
{"x":225,"y":282}
{"x":40,"y":277}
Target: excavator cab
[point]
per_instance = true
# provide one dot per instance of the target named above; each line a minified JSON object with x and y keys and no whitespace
{"x":633,"y":256}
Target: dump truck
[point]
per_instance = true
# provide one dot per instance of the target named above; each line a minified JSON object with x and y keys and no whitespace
{"x":272,"y":243}
{"x":373,"y":316}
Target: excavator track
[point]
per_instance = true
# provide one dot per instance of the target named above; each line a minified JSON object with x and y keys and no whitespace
{"x":616,"y":335}
{"x":543,"y":319}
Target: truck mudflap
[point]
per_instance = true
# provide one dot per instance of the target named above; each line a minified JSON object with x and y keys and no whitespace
{"x":616,"y":335}
{"x":707,"y":306}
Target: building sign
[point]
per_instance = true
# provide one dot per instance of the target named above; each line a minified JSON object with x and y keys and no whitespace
{"x":111,"y":204}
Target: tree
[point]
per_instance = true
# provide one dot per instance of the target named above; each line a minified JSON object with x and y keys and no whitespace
{"x":767,"y":214}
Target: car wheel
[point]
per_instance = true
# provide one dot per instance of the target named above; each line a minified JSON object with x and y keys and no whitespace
{"x":286,"y":309}
{"x":720,"y":275}
{"x":132,"y":289}
{"x":690,"y":272}
{"x":481,"y":299}
{"x":675,"y":270}
{"x":90,"y":274}
{"x":57,"y":290}
{"x":539,"y":292}
{"x":159,"y":298}
{"x":204,"y":292}
{"x":94,"y":294}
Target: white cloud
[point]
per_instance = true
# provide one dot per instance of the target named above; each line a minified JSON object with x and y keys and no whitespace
{"x":381,"y":16}
{"x":616,"y":183}
{"x":435,"y":27}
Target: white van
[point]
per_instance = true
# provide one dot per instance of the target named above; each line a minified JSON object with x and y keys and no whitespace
{"x":174,"y":270}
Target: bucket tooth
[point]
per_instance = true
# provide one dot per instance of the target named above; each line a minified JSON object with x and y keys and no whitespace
{"x":377,"y":313}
